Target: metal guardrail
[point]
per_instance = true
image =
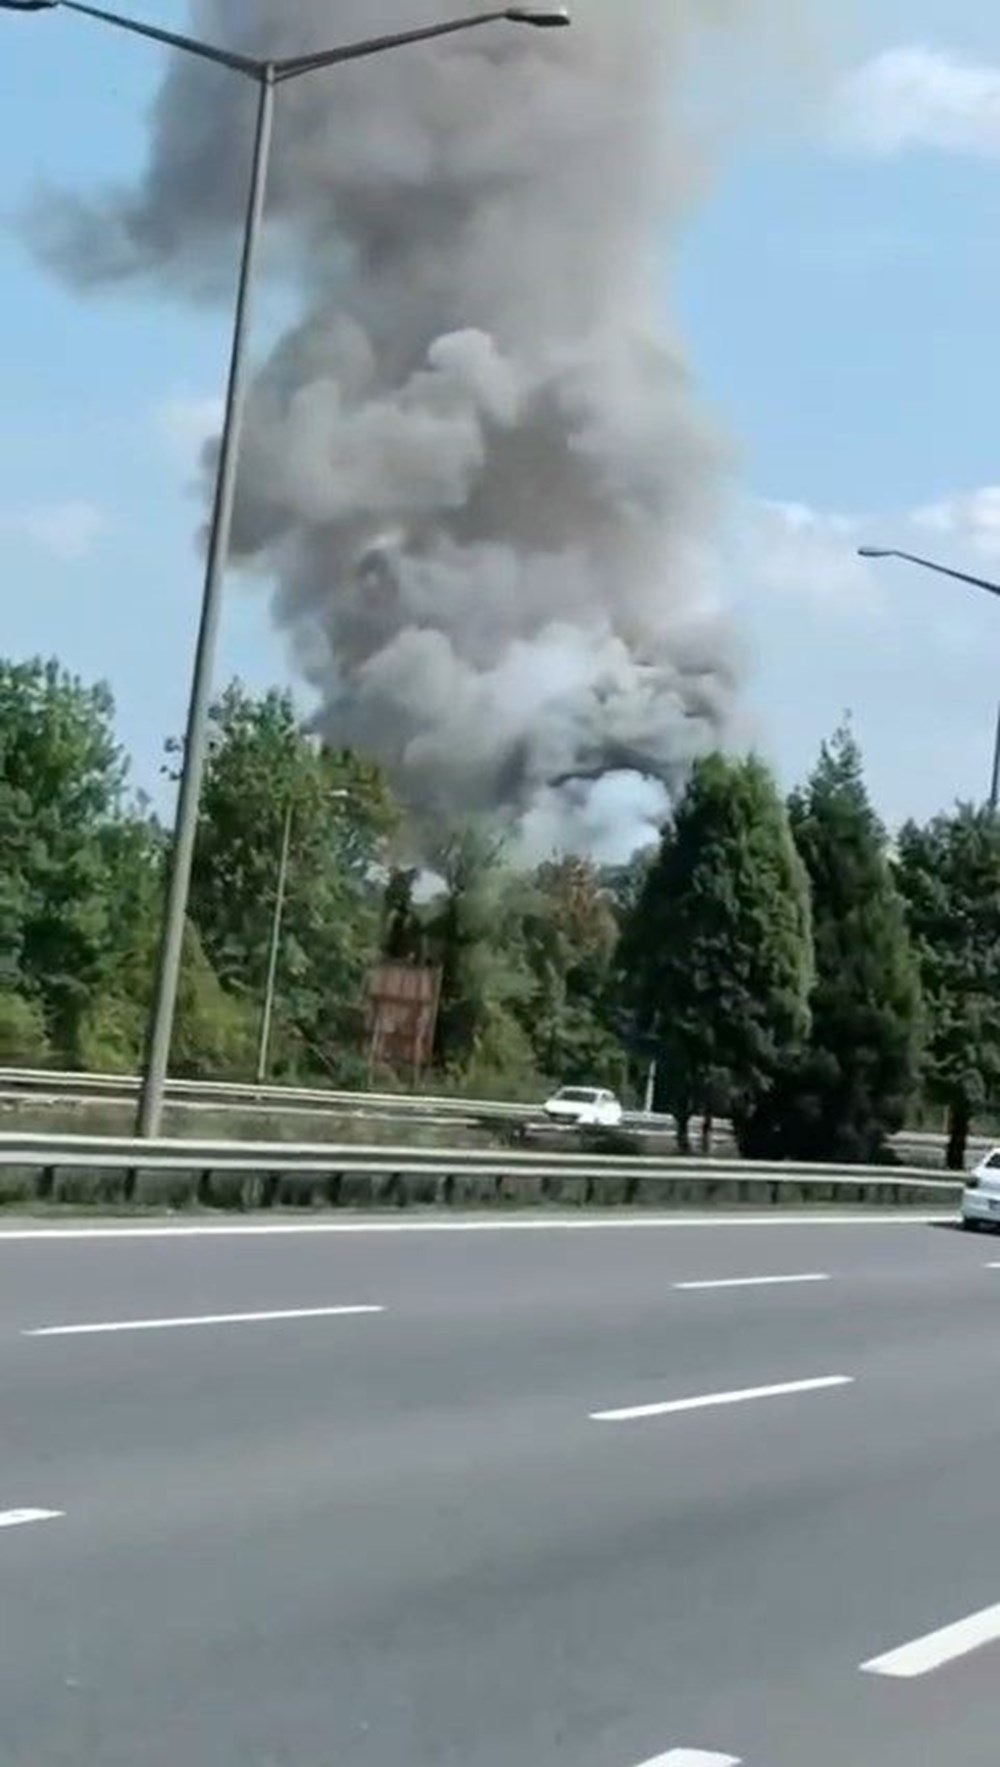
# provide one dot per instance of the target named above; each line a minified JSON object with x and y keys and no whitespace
{"x":33,"y":1082}
{"x":234,"y":1095}
{"x":46,"y":1157}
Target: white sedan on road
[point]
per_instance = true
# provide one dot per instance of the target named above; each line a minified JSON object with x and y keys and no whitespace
{"x":981,"y":1196}
{"x":584,"y":1107}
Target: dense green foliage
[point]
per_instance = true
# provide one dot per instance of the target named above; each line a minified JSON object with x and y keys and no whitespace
{"x":527,"y":959}
{"x":851,"y":1086}
{"x":263,"y":769}
{"x":61,"y":780}
{"x":717,"y":954}
{"x":949,"y":874}
{"x":784,"y":968}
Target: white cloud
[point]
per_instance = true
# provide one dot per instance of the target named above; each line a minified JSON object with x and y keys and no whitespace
{"x":185,"y":422}
{"x":795,"y":553}
{"x":69,"y":530}
{"x":972,"y":520}
{"x":809,"y":555}
{"x":915,"y":96}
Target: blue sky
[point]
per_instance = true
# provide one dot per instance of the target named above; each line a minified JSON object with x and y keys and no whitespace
{"x":838,"y":293}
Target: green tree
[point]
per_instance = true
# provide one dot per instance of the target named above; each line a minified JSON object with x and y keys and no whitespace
{"x":623,"y":884}
{"x":852,"y":1087}
{"x":114,"y":1025}
{"x":462,"y":924}
{"x":473,"y":931}
{"x":949,"y":873}
{"x":716,"y":955}
{"x":568,"y":929}
{"x":61,"y":785}
{"x":262,"y":768}
{"x":403,"y":934}
{"x":23,"y":1038}
{"x":214,"y":1028}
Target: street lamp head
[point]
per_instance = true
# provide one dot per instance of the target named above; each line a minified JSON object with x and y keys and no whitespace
{"x":545,"y":18}
{"x":27,"y":5}
{"x":873,"y":552}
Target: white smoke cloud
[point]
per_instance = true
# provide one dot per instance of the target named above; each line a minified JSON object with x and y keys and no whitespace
{"x":475,"y":467}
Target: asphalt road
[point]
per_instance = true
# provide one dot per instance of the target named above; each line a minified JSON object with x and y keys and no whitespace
{"x":501,"y":1519}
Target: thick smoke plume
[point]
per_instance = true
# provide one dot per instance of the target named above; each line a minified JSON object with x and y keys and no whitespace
{"x":473,"y":466}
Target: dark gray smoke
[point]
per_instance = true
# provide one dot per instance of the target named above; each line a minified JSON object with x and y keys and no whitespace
{"x":474,"y":467}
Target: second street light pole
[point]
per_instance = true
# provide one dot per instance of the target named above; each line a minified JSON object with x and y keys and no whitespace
{"x":281,"y":890}
{"x":277,"y":926}
{"x":267,"y":75}
{"x":944,"y":570}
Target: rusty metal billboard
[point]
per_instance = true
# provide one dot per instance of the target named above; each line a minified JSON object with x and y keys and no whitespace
{"x":403,"y":1000}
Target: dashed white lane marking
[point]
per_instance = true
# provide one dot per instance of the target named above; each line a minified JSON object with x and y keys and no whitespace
{"x":117,"y":1325}
{"x":938,"y":1648}
{"x":632,"y":1413}
{"x":20,"y":1518}
{"x":753,"y":1282}
{"x":692,"y":1758}
{"x":589,"y":1224}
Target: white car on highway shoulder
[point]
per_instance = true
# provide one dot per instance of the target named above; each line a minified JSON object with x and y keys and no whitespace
{"x":981,"y":1196}
{"x":584,"y":1107}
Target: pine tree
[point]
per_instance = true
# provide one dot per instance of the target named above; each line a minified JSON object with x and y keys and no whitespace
{"x":716,"y":953}
{"x":949,"y":873}
{"x":851,"y":1089}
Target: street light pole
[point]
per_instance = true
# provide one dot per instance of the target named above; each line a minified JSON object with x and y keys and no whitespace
{"x":281,"y":890}
{"x":944,"y":570}
{"x":160,"y":1032}
{"x":277,"y":926}
{"x":995,"y":776}
{"x":267,"y":75}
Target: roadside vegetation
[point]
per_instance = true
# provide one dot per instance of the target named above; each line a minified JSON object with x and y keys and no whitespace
{"x":786,"y":966}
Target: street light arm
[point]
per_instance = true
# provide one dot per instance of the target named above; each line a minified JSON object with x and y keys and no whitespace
{"x":928,"y":564}
{"x":243,"y":64}
{"x":293,"y":66}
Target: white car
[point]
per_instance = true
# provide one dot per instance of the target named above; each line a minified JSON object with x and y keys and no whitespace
{"x":585,"y":1107}
{"x":981,"y":1196}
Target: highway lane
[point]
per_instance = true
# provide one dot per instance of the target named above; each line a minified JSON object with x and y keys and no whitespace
{"x":401,"y":1536}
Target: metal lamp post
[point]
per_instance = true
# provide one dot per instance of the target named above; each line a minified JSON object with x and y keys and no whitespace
{"x":267,"y":76}
{"x":944,"y":570}
{"x":277,"y":919}
{"x":277,"y":924}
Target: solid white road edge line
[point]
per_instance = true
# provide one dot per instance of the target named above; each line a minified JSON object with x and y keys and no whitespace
{"x":938,"y":1648}
{"x":19,"y":1518}
{"x":118,"y":1325}
{"x":751,"y":1282}
{"x":631,"y":1413}
{"x":590,"y":1224}
{"x":693,"y":1758}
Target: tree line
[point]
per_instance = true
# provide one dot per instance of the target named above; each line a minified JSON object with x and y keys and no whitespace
{"x":783,"y":963}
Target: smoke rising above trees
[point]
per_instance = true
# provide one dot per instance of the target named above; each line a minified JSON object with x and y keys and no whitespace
{"x":475,"y":468}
